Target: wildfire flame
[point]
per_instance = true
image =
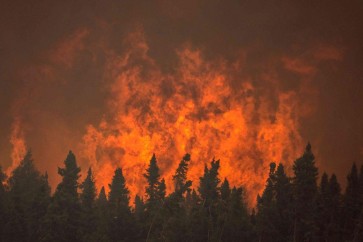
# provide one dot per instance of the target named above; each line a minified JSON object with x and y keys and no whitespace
{"x":203,"y":108}
{"x":17,"y":141}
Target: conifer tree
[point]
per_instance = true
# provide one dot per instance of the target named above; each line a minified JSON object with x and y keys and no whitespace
{"x":323,"y":213}
{"x":305,"y":192}
{"x":103,"y":217}
{"x":140,"y":218}
{"x":155,"y":194}
{"x":237,"y":225}
{"x":351,"y":203}
{"x":139,"y":208}
{"x":180,"y":178}
{"x":267,"y":216}
{"x":208,"y":186}
{"x":89,"y":217}
{"x":155,"y":188}
{"x":175,"y":226}
{"x":225,"y":190}
{"x":29,"y":197}
{"x":63,"y":218}
{"x":121,"y":226}
{"x":284,"y":200}
{"x":209,"y":192}
{"x":334,"y":231}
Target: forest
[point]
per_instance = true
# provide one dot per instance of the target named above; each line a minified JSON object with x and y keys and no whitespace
{"x":305,"y":206}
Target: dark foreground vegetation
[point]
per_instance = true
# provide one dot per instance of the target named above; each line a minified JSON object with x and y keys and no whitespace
{"x":289,"y":209}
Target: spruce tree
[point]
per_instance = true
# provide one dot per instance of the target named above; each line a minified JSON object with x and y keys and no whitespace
{"x":225,"y":190}
{"x":267,"y":217}
{"x":103,"y":217}
{"x":29,"y":197}
{"x":351,"y":203}
{"x":155,"y":191}
{"x":305,"y":192}
{"x":284,"y":204}
{"x":237,"y":225}
{"x":175,"y":226}
{"x":121,"y":224}
{"x":63,"y":219}
{"x":209,"y":192}
{"x":155,"y":194}
{"x":334,"y":231}
{"x":89,"y":217}
{"x":208,"y":185}
{"x":180,"y":178}
{"x":323,"y":212}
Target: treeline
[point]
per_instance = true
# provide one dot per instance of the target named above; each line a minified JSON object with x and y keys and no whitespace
{"x":290,"y":208}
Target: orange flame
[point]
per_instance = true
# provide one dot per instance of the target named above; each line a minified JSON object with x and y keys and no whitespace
{"x":19,"y":146}
{"x":197,"y":109}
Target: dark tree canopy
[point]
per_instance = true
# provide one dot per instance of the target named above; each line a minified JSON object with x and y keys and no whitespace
{"x":63,"y":218}
{"x":305,"y":193}
{"x":290,"y":208}
{"x":29,"y":196}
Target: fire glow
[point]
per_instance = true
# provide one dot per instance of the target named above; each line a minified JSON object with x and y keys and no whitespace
{"x":196,"y":110}
{"x":207,"y":108}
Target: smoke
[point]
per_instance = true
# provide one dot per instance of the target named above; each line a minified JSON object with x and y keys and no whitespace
{"x":242,"y":81}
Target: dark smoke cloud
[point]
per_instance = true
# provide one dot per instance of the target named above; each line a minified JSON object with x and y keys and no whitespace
{"x":53,"y":60}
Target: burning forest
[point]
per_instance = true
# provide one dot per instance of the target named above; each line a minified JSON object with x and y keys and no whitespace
{"x":187,"y":120}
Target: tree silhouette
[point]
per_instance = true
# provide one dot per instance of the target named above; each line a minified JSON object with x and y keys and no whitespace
{"x":305,"y":192}
{"x":121,"y":224}
{"x":29,"y":196}
{"x":63,"y":218}
{"x":155,"y":193}
{"x":89,"y":216}
{"x":103,"y":217}
{"x":351,"y":203}
{"x":289,"y":209}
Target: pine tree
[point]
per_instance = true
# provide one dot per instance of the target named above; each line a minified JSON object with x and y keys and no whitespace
{"x":334,"y":230}
{"x":237,"y":225}
{"x":225,"y":190}
{"x":156,"y":189}
{"x":267,"y":217}
{"x":305,"y":192}
{"x":351,"y":203}
{"x":139,"y":208}
{"x":155,"y":193}
{"x":63,"y":218}
{"x":161,"y":192}
{"x":323,"y":212}
{"x":121,"y":224}
{"x":180,"y":178}
{"x":284,"y":202}
{"x":103,"y":217}
{"x":139,"y":213}
{"x":209,"y":192}
{"x":153,"y":180}
{"x":89,"y":217}
{"x":175,"y":226}
{"x":208,"y":186}
{"x":29,"y":196}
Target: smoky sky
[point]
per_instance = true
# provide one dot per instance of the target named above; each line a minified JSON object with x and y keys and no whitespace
{"x":55,"y":109}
